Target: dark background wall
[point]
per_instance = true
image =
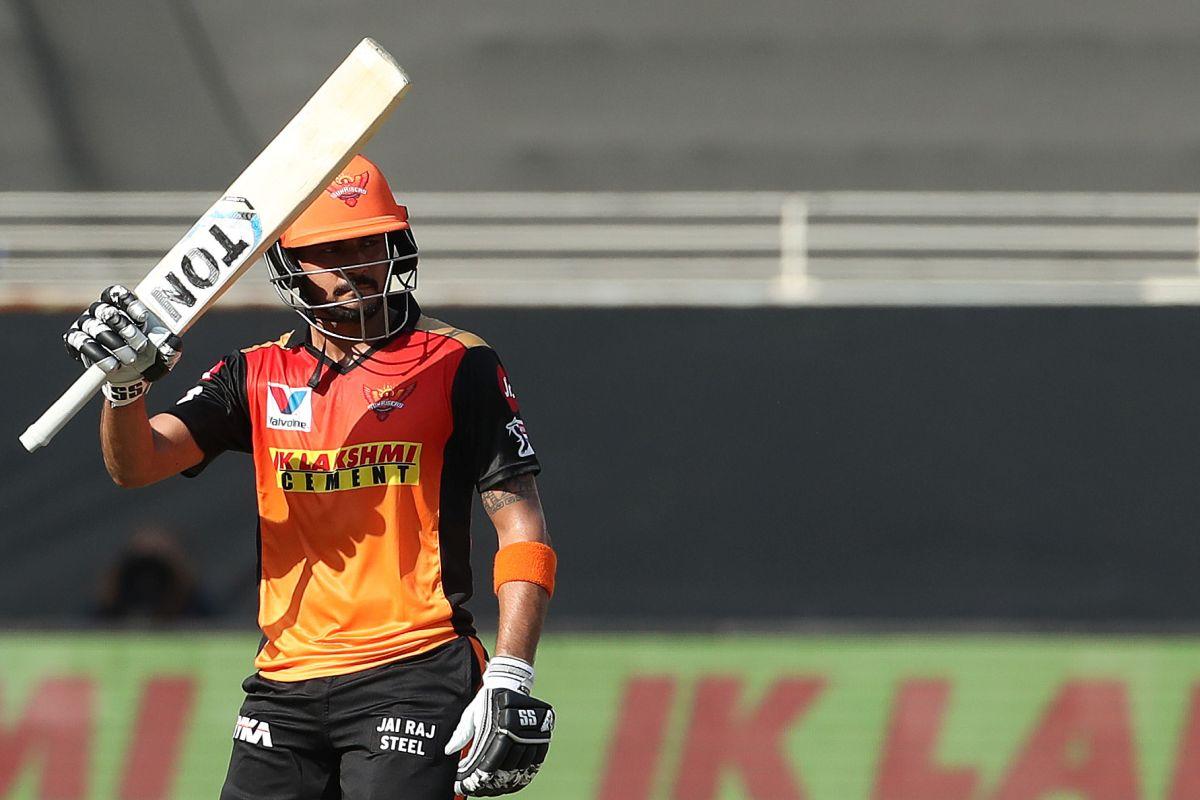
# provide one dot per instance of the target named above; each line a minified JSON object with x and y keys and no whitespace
{"x":1030,"y":464}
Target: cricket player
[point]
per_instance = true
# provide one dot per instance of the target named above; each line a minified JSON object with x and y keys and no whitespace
{"x":370,"y":426}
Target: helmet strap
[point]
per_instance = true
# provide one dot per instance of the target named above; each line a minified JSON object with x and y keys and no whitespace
{"x":314,"y":380}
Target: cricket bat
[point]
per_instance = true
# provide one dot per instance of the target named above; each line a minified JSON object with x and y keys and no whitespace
{"x":251,"y":214}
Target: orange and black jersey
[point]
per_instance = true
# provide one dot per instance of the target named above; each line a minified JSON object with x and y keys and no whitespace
{"x":365,"y":485}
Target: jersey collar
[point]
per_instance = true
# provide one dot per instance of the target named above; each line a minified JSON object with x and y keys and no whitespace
{"x":302,"y":337}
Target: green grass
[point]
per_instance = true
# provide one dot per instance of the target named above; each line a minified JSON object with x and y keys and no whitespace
{"x":1000,"y":687}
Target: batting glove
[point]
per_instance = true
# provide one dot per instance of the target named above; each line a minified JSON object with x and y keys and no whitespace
{"x":509,"y":732}
{"x":121,"y":336}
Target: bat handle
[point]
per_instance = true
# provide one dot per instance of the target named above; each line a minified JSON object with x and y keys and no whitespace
{"x":73,"y":399}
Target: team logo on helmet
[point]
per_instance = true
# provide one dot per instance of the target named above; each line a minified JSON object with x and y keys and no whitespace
{"x":386,"y":399}
{"x":348,"y":188}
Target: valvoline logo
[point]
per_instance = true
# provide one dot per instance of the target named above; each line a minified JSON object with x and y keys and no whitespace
{"x":287,"y":400}
{"x":289,"y":408}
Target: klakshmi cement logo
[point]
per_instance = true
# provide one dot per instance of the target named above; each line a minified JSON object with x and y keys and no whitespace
{"x":289,"y":408}
{"x":355,"y":466}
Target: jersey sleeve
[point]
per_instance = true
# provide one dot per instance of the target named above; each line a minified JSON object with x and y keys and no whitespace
{"x":486,"y":411}
{"x":215,"y":411}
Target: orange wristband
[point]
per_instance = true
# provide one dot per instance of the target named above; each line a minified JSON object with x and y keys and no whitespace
{"x":526,"y":561}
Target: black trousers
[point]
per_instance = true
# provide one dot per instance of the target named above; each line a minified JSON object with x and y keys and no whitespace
{"x":378,"y":733}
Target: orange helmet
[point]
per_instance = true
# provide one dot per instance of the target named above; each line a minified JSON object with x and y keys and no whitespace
{"x":359,"y":202}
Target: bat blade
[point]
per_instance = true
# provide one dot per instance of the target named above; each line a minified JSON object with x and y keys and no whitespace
{"x":251,"y":214}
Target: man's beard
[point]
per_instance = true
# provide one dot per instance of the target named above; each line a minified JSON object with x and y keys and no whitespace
{"x":347,"y":313}
{"x":370,"y":304}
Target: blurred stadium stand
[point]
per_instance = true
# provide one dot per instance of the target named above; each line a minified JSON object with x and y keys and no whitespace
{"x":677,"y":248}
{"x":674,"y":94}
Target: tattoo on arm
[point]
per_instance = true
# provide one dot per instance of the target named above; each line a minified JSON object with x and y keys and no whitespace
{"x":505,"y":493}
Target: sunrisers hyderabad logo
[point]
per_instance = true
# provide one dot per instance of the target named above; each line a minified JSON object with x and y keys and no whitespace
{"x":348,"y":188}
{"x":385,"y":400}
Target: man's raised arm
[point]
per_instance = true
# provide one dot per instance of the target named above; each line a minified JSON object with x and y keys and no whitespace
{"x":119,"y":334}
{"x":140,"y":451}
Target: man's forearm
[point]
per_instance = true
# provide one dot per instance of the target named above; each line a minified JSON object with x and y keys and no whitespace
{"x":504,"y":759}
{"x":516,"y":510}
{"x":127,"y":441}
{"x":522,"y":612}
{"x":139,"y":451}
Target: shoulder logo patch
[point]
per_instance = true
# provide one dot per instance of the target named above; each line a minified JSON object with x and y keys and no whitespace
{"x":506,"y":389}
{"x":289,"y":408}
{"x":517,"y":429}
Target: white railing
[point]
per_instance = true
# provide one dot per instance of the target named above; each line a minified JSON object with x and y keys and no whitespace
{"x":677,"y":248}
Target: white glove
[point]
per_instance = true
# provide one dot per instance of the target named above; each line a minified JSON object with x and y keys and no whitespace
{"x":509,"y":732}
{"x":126,"y":340}
{"x":503,"y":672}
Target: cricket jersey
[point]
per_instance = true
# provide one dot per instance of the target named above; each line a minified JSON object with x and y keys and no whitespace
{"x":365,"y":483}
